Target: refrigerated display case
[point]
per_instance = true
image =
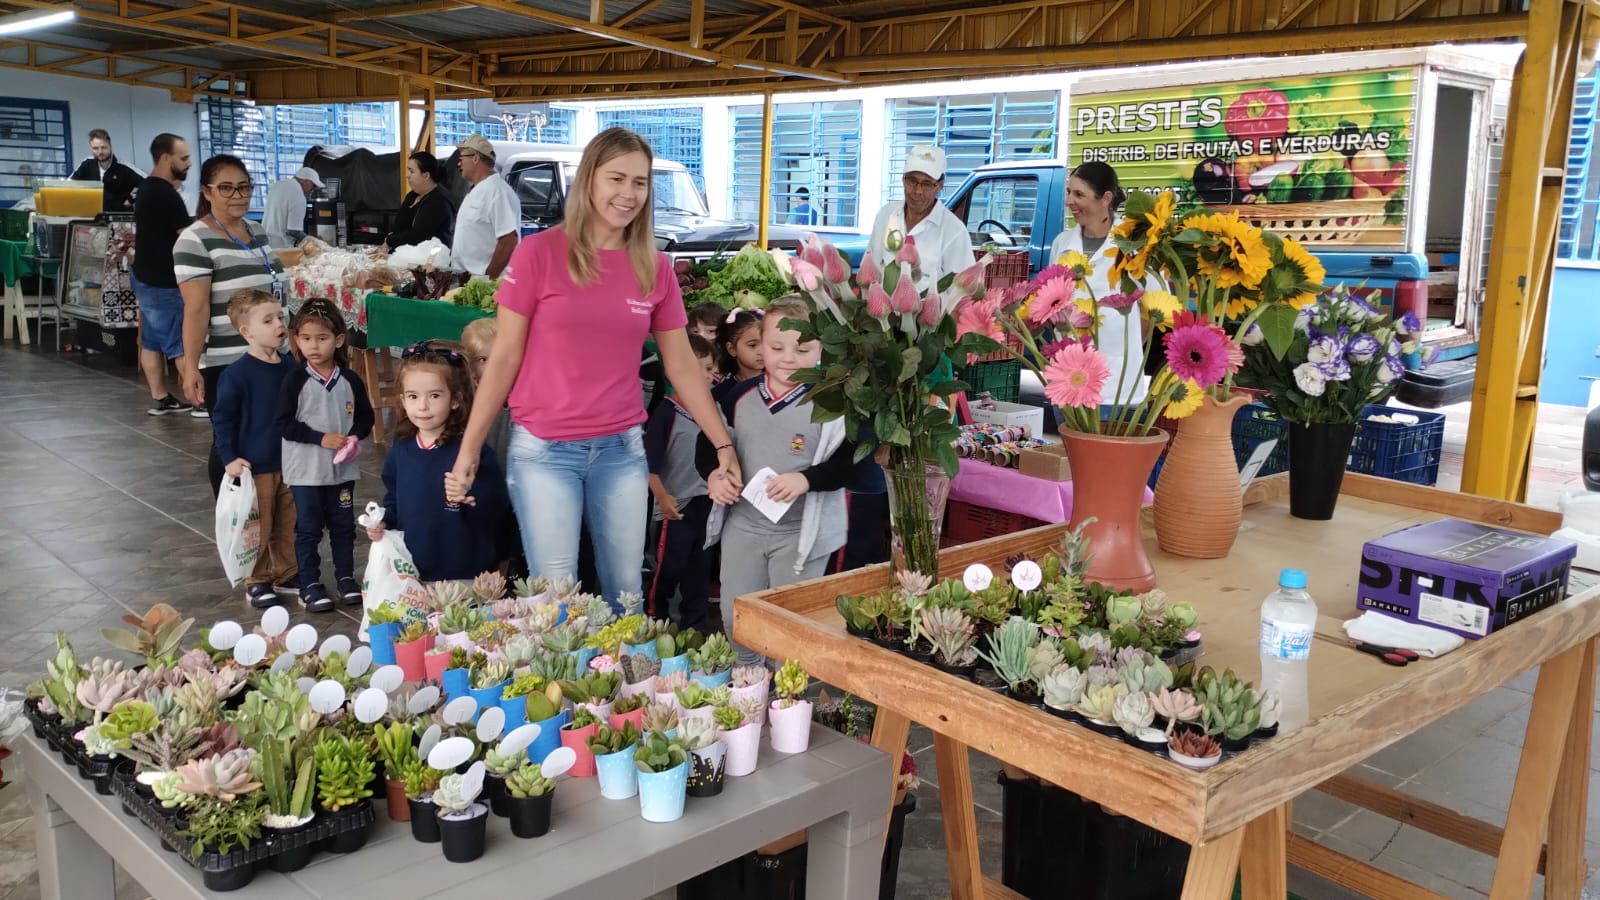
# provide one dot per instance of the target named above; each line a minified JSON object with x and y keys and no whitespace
{"x":95,"y":282}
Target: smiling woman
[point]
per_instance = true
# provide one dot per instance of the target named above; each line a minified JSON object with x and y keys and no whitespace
{"x":577,"y":303}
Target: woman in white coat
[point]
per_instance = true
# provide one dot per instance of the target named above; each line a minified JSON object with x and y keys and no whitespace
{"x":1093,"y":197}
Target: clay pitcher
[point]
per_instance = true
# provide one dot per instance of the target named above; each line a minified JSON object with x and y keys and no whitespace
{"x":1108,"y":481}
{"x":1199,"y":503}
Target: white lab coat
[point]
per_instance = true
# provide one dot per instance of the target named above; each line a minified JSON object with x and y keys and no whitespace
{"x":1114,"y":326}
{"x":943,"y":244}
{"x":285,"y":215}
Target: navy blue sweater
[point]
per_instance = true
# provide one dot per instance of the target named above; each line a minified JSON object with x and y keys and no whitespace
{"x":446,"y":540}
{"x":242,"y":414}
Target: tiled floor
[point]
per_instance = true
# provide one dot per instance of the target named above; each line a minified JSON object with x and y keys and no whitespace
{"x":104,"y":510}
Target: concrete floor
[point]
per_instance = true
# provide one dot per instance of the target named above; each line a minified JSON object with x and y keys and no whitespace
{"x":104,"y":510}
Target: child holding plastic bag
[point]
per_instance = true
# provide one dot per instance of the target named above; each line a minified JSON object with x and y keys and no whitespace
{"x":249,"y":442}
{"x":448,"y":540}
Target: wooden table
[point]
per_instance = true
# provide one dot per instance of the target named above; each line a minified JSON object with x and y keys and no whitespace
{"x":597,"y":848}
{"x":1239,"y":810}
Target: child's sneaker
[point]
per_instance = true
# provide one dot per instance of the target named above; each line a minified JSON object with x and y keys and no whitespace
{"x":261,"y":596}
{"x":314,"y":597}
{"x":289,"y":586}
{"x":350,"y":591}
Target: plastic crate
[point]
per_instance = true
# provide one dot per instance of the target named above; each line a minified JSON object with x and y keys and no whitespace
{"x":1002,"y":378}
{"x":965,"y":523}
{"x":1253,"y":424}
{"x":13,"y":224}
{"x":1408,"y":453}
{"x":1006,"y":269}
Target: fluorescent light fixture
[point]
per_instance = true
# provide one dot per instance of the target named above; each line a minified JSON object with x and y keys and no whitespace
{"x":39,"y":18}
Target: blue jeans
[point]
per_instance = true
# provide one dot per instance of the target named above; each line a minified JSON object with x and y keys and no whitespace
{"x":556,"y":485}
{"x":162,"y":311}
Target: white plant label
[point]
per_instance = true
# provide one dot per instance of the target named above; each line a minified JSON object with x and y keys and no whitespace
{"x":977,"y":577}
{"x":1027,"y":575}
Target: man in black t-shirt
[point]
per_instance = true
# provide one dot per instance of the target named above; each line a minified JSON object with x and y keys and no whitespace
{"x":158,"y":215}
{"x":119,"y":181}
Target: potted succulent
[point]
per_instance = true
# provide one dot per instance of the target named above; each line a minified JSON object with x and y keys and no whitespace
{"x":529,"y":799}
{"x":409,"y":648}
{"x":436,"y":660}
{"x":1194,"y":749}
{"x":1232,"y":710}
{"x":638,"y":675}
{"x":383,"y":627}
{"x":1175,"y":707}
{"x":543,"y":708}
{"x":571,"y":638}
{"x":223,"y":809}
{"x":673,"y":647}
{"x":640,"y":636}
{"x":667,"y":686}
{"x":498,"y":766}
{"x":1009,"y":653}
{"x":660,"y":718}
{"x":456,"y":679}
{"x":509,"y":610}
{"x":594,"y":692}
{"x":514,"y":699}
{"x":752,"y":683}
{"x":707,"y":757}
{"x":628,"y":709}
{"x":663,"y":773}
{"x":553,"y":666}
{"x":489,"y":682}
{"x":695,"y":701}
{"x":740,"y":735}
{"x":575,"y":736}
{"x":712,"y":664}
{"x":421,"y":781}
{"x":463,"y":822}
{"x":344,"y":771}
{"x":790,"y":714}
{"x":1134,"y":715}
{"x":1098,"y":707}
{"x":612,"y":749}
{"x":488,"y":588}
{"x":1062,"y":689}
{"x":398,"y":751}
{"x":950,"y":633}
{"x":1271,"y":707}
{"x":286,"y":766}
{"x":156,"y":635}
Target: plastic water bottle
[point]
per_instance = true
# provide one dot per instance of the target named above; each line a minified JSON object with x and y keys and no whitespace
{"x":1288,"y":620}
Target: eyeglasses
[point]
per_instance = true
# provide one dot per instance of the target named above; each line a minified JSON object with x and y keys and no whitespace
{"x":233,"y":190}
{"x":423,"y":348}
{"x":468,"y":154}
{"x":921,"y":184}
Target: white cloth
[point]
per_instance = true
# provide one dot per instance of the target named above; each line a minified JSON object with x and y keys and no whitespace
{"x":823,"y":503}
{"x":943,"y":244}
{"x":1115,"y":328}
{"x":285,"y":214}
{"x":1387,"y":631}
{"x":489,"y":212}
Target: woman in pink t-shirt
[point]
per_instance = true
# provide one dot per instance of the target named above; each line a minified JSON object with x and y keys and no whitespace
{"x":577,"y":303}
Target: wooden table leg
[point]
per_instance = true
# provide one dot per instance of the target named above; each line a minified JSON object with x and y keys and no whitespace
{"x":1565,"y":866}
{"x":890,"y":731}
{"x":1264,"y":866}
{"x":960,"y":825}
{"x":1543,"y":747}
{"x":1212,"y":867}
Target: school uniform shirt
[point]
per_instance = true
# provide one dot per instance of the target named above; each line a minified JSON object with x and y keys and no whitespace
{"x":1115,"y":328}
{"x":204,"y":252}
{"x":943,"y":245}
{"x":310,"y":407}
{"x":448,"y":540}
{"x":489,"y":212}
{"x":671,"y":440}
{"x":244,"y":414}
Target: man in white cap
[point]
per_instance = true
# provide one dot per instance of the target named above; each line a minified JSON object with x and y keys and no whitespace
{"x":284,"y":220}
{"x":943,"y":244}
{"x":487,"y":224}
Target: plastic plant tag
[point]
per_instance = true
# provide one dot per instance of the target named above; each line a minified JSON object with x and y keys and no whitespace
{"x":275,"y":621}
{"x":387,"y":678}
{"x":327,"y":697}
{"x":283,"y":663}
{"x":1027,"y":575}
{"x":336,"y":643}
{"x":519,"y":739}
{"x":977,"y":577}
{"x":370,"y":705}
{"x":459,"y":710}
{"x":430,"y":739}
{"x":301,"y":639}
{"x":305,"y":683}
{"x":472,"y":780}
{"x":490,"y":724}
{"x":250,"y":650}
{"x":225,"y":634}
{"x":426,"y":698}
{"x":558,"y":762}
{"x":359,"y":662}
{"x":449,"y":753}
{"x":1257,"y":459}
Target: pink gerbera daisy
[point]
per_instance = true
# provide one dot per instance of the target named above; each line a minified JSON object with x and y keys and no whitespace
{"x":1074,"y":376}
{"x":1052,"y":301}
{"x":1235,"y":357}
{"x":1198,"y":353}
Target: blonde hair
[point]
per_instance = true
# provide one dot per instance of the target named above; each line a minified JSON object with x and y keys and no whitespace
{"x":789,"y":306}
{"x":242,"y":301}
{"x":583,"y":260}
{"x":479,"y":335}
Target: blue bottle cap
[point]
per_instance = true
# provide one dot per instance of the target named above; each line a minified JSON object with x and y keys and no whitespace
{"x":1292,"y":578}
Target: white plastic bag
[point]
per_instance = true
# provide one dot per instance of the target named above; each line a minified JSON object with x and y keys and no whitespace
{"x":238,"y":527}
{"x":391,"y":577}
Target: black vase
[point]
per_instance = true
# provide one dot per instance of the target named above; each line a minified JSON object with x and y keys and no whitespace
{"x":530,"y":816}
{"x":494,"y":791}
{"x":1318,"y":454}
{"x":464,"y":839}
{"x":424,"y":821}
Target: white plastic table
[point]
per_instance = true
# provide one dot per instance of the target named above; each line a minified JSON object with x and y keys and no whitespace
{"x":596,"y":848}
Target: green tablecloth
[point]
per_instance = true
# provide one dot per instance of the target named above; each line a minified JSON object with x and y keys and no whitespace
{"x":14,"y":262}
{"x":397,"y":322}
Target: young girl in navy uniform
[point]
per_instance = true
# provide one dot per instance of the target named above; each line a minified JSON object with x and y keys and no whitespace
{"x":323,"y":414}
{"x":448,"y":540}
{"x":770,"y":419}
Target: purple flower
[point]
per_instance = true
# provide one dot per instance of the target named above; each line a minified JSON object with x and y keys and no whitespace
{"x":1391,"y":369}
{"x":1325,"y":349}
{"x":1363,"y":348}
{"x":1336,"y":369}
{"x":1360,"y":310}
{"x":1407,"y":323}
{"x":1309,"y":379}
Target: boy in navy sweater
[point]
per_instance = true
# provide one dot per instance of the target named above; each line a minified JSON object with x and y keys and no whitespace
{"x":683,"y":564}
{"x":248,"y":439}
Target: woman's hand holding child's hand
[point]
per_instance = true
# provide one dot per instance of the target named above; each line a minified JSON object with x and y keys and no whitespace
{"x":455,"y":489}
{"x":331,"y":441}
{"x":786,"y":488}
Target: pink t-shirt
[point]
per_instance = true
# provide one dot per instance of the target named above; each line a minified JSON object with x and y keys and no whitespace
{"x":580,"y":372}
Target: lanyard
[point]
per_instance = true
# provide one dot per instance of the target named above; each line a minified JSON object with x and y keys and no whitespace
{"x":266,"y":263}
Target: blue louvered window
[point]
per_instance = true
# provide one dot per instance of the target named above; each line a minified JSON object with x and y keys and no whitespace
{"x":816,"y":148}
{"x":272,"y":140}
{"x":1579,"y":237}
{"x":973,"y":130}
{"x":35,"y":145}
{"x":673,"y":133}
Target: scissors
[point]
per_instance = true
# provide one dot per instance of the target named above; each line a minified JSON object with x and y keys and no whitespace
{"x":1394,"y":656}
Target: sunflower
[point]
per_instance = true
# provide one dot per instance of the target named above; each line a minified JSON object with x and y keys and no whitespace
{"x":1148,"y":227}
{"x":1186,"y":398}
{"x":1312,"y":273}
{"x":1072,"y":259}
{"x":1241,"y":302}
{"x":1159,"y":307}
{"x":1235,"y":252}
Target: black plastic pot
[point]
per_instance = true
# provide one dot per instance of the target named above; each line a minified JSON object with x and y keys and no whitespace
{"x":530,"y":816}
{"x":424,"y":821}
{"x":1234,"y":746}
{"x":99,"y":771}
{"x":1027,"y":697}
{"x":962,"y":672}
{"x":1265,"y":732}
{"x":349,"y":828}
{"x":494,"y":792}
{"x":230,"y":879}
{"x":1109,"y":729}
{"x":1070,"y":715}
{"x":985,"y":678}
{"x":291,"y":848}
{"x":464,"y":839}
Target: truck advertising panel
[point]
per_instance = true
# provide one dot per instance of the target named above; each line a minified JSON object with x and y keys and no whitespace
{"x":1321,"y":158}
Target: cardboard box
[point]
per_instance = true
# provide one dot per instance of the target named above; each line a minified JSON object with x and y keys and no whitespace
{"x":1463,"y":577}
{"x":1010,"y":415}
{"x":1048,"y":462}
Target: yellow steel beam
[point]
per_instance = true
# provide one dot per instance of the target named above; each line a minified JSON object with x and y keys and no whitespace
{"x":118,"y":67}
{"x":1505,"y":401}
{"x":399,"y":10}
{"x":767,"y":107}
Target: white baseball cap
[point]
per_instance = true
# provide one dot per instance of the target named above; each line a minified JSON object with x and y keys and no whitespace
{"x":309,"y":174}
{"x":927,"y":159}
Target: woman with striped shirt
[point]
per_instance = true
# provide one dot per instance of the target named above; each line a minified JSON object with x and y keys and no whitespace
{"x":218,"y":255}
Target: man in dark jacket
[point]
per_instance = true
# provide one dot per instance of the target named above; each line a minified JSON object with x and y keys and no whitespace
{"x":121,"y":181}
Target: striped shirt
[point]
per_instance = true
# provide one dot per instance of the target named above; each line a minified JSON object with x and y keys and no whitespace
{"x":201,"y":253}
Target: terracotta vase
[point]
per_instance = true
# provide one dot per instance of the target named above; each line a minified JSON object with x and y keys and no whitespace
{"x":1199,"y":503}
{"x":1108,"y":480}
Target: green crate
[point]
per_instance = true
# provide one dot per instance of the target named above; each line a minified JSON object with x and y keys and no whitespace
{"x":1002,"y":378}
{"x":13,"y":224}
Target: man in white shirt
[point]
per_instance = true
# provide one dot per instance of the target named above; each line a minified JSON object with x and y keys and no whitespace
{"x":487,"y":224}
{"x":943,"y":244}
{"x":284,"y":220}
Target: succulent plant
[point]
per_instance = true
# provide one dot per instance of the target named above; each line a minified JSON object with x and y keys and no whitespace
{"x":60,"y":684}
{"x":582,"y":718}
{"x":459,"y":617}
{"x":386,"y":613}
{"x":630,"y":703}
{"x":492,"y":634}
{"x":950,"y":632}
{"x":104,"y":686}
{"x":421,"y":779}
{"x":1043,"y":658}
{"x":640,"y":630}
{"x":671,"y":681}
{"x":791,"y":681}
{"x":749,"y":676}
{"x":607,"y":740}
{"x":728,"y":718}
{"x":1194,"y":744}
{"x":1271,"y":706}
{"x":451,"y":797}
{"x":857,"y":612}
{"x":1145,"y":675}
{"x":1008,"y":650}
{"x":166,"y":791}
{"x":490,"y":674}
{"x":528,"y":588}
{"x":523,"y":685}
{"x":343,"y":772}
{"x":696,"y":696}
{"x":503,"y":764}
{"x":1176,"y":705}
{"x":595,"y":687}
{"x":412,"y":633}
{"x":912,"y":584}
{"x":659,"y":718}
{"x":217,"y":826}
{"x":698,"y":734}
{"x":673,"y":642}
{"x":1132,"y":712}
{"x":95,"y":743}
{"x":632,"y":603}
{"x":541,"y":617}
{"x":225,"y":776}
{"x":598,"y":613}
{"x":489,"y":587}
{"x":128,"y":719}
{"x":658,"y":753}
{"x":566,"y":637}
{"x":1098,"y":675}
{"x":715,"y":655}
{"x":155,"y":636}
{"x":288,"y":774}
{"x":1099,"y":702}
{"x":562,"y":587}
{"x":444,"y":594}
{"x":541,"y":706}
{"x":1063,"y":687}
{"x":637,"y":667}
{"x":752,"y":707}
{"x":527,"y":782}
{"x":518,"y":650}
{"x":553,"y":666}
{"x":609,"y":639}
